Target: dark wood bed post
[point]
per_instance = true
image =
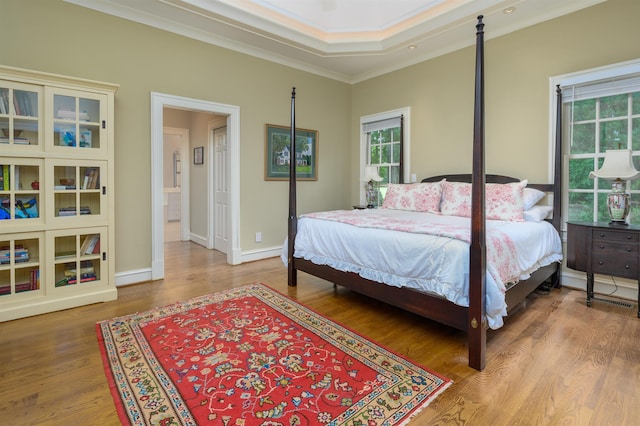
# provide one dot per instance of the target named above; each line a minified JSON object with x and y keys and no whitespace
{"x":401,"y":172}
{"x":557,"y":164}
{"x":293,"y":217}
{"x":556,"y":220}
{"x":477,"y":249}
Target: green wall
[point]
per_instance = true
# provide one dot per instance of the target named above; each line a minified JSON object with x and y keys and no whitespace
{"x":66,"y":39}
{"x":517,"y":71}
{"x":57,"y":37}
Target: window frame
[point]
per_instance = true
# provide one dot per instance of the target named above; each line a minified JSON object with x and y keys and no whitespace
{"x":590,"y":76}
{"x":364,"y":144}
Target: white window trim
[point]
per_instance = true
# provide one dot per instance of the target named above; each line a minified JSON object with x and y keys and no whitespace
{"x":406,"y":111}
{"x":617,"y":70}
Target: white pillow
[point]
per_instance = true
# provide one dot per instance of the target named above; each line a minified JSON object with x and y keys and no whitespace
{"x":530,"y":198}
{"x":537,"y":213}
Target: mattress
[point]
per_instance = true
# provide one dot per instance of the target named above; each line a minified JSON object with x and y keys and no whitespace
{"x":426,"y":252}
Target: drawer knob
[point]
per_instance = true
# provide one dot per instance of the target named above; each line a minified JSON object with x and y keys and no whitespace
{"x":628,"y":237}
{"x":602,"y":234}
{"x":627,"y":266}
{"x":601,"y":246}
{"x":601,"y":263}
{"x":629,"y":249}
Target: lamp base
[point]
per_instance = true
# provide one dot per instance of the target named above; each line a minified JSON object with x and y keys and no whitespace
{"x":618,"y":203}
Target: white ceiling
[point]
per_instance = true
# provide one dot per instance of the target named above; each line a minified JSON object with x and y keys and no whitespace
{"x":347,"y":40}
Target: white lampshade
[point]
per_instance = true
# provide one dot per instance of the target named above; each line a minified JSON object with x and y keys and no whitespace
{"x":371,"y":173}
{"x":617,"y":165}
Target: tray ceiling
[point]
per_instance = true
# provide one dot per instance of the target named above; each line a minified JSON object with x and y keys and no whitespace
{"x":347,"y":40}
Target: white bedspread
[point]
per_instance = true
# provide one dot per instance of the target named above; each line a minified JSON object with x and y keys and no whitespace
{"x":436,"y":264}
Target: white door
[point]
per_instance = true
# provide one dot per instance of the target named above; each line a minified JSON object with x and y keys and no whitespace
{"x":221,"y":228}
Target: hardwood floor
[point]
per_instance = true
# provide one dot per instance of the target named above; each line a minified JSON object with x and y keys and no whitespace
{"x":554,"y":362}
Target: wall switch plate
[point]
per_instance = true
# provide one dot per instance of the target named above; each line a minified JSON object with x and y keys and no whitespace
{"x":258,"y":237}
{"x":413,"y":177}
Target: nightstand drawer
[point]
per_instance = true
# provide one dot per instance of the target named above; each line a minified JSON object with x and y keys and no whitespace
{"x":615,"y":259}
{"x":610,"y":235}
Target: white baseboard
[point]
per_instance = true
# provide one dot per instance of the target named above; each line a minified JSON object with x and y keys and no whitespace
{"x":133,"y":277}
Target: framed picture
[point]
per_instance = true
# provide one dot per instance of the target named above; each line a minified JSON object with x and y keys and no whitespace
{"x":198,"y":155}
{"x":277,"y":156}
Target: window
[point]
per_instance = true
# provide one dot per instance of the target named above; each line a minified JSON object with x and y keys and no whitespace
{"x":601,"y":111}
{"x":384,"y":145}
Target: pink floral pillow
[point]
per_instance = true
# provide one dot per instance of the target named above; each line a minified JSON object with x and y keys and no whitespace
{"x":503,"y":201}
{"x":421,"y":197}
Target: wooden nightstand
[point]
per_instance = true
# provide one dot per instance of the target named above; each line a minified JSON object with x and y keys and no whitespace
{"x":600,"y":248}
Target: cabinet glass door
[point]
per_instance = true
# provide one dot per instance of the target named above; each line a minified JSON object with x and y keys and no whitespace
{"x":19,"y":265}
{"x":19,"y":191}
{"x":79,"y":189}
{"x":78,"y":122}
{"x":78,"y":258}
{"x":19,"y":113}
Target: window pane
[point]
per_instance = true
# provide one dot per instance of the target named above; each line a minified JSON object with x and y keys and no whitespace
{"x":579,"y":170}
{"x":635,"y":184}
{"x":634,"y":214}
{"x":386,"y":154}
{"x":635,"y":134}
{"x":396,"y":153}
{"x":580,"y":207}
{"x":584,"y":139}
{"x":613,"y":106}
{"x":375,"y":155}
{"x":383,"y":172}
{"x":395,"y":174}
{"x":374,"y":137}
{"x":584,"y":110}
{"x":613,"y":135}
{"x":603,"y":211}
{"x":385,"y":135}
{"x":396,"y":133}
{"x":636,"y":103}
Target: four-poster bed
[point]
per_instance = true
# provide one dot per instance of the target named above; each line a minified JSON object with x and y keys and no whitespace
{"x":472,"y":316}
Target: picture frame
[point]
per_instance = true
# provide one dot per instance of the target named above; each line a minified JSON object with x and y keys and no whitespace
{"x":198,"y":155}
{"x":277,"y":143}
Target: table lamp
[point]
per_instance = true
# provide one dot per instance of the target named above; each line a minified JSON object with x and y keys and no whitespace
{"x":372,"y":178}
{"x":618,"y":168}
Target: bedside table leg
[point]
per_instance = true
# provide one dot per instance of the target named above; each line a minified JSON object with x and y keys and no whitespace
{"x":589,"y":289}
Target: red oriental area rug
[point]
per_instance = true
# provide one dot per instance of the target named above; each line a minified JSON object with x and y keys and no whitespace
{"x":252,"y":356}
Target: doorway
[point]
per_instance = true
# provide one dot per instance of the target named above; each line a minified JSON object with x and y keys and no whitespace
{"x":176,"y":184}
{"x":232,"y":163}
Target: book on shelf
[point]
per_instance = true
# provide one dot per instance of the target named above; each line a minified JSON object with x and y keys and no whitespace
{"x":67,"y":138}
{"x":22,"y":104}
{"x":35,"y":279}
{"x":85,"y":139}
{"x":91,"y":178}
{"x":20,"y":254}
{"x":5,"y":177}
{"x":89,"y":244}
{"x":87,"y":273}
{"x":4,"y":101}
{"x":66,"y":114}
{"x":71,"y":211}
